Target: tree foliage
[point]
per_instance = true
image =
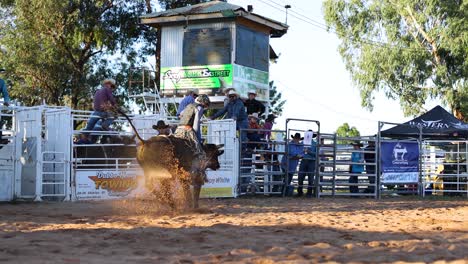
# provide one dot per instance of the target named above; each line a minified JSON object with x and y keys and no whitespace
{"x":412,"y":50}
{"x":276,"y":102}
{"x":59,"y":51}
{"x":346,"y":131}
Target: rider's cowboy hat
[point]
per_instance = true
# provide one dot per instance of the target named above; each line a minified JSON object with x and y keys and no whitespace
{"x":357,"y":143}
{"x":160,"y":125}
{"x":252,"y":92}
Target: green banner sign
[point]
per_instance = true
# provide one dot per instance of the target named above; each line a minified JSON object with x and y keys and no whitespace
{"x":247,"y":79}
{"x":199,"y":77}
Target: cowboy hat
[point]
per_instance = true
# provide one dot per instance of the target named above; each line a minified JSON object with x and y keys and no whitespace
{"x":270,"y":117}
{"x":252,"y":92}
{"x":297,"y":136}
{"x":357,"y":143}
{"x":109,"y":80}
{"x":254,"y":115}
{"x":232,"y":92}
{"x":160,"y":125}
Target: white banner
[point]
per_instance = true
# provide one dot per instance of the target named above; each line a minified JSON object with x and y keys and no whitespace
{"x":106,"y":184}
{"x":400,"y":177}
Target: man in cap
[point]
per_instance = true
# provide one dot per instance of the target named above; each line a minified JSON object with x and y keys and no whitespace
{"x":295,"y":153}
{"x":6,"y":102}
{"x":104,"y":101}
{"x":162,"y":128}
{"x":253,"y":105}
{"x":189,"y":98}
{"x":235,"y":109}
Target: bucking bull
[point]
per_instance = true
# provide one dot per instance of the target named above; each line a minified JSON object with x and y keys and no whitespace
{"x":175,"y":156}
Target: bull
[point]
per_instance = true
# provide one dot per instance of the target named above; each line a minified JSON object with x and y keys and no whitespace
{"x":174,"y":155}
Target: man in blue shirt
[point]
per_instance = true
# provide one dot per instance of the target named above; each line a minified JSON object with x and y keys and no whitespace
{"x":307,"y":167}
{"x":356,"y":157}
{"x":295,"y":153}
{"x":235,"y":109}
{"x":6,"y":102}
{"x":188,"y":99}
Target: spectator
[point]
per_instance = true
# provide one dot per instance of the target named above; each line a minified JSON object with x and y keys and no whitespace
{"x":369,"y":157}
{"x":104,"y":101}
{"x":307,"y":168}
{"x":6,"y":102}
{"x":254,"y":135}
{"x":188,"y":99}
{"x":235,"y":110}
{"x":356,"y":157}
{"x":295,"y":151}
{"x":162,"y":128}
{"x":226,"y":93}
{"x":253,"y":105}
{"x":270,"y":120}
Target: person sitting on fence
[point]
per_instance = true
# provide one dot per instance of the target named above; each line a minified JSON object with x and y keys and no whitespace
{"x":254,"y":136}
{"x":162,"y":128}
{"x":188,"y":99}
{"x":235,"y":110}
{"x":270,"y":120}
{"x":295,"y":152}
{"x":356,"y":157}
{"x":6,"y":102}
{"x":104,"y":102}
{"x":307,"y":167}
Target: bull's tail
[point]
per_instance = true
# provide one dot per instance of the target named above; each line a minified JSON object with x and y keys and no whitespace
{"x":131,"y":124}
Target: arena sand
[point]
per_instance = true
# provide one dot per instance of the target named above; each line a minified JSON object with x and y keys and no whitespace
{"x":247,"y":230}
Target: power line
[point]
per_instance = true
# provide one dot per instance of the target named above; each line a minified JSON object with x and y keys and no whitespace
{"x":306,"y":97}
{"x":329,"y":29}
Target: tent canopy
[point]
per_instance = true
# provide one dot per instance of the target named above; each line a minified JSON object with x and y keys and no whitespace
{"x":436,"y":123}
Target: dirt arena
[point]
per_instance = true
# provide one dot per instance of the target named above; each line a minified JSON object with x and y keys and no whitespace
{"x":247,"y":230}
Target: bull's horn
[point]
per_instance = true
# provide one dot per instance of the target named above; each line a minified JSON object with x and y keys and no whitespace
{"x":220,"y":146}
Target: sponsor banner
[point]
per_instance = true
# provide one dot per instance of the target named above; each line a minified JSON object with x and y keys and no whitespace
{"x":400,"y":162}
{"x":246,"y":78}
{"x":220,"y":184}
{"x":105,"y":184}
{"x":199,"y":77}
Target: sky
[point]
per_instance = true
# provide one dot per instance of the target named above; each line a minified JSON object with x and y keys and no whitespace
{"x":312,"y":77}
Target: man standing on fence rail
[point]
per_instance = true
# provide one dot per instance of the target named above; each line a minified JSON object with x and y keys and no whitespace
{"x":104,"y":101}
{"x":188,"y":99}
{"x":6,"y":102}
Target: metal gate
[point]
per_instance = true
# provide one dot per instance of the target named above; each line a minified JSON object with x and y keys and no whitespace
{"x":56,"y":154}
{"x":28,"y":148}
{"x":259,"y":166}
{"x":346,"y":170}
{"x":444,"y":167}
{"x":223,"y":182}
{"x":7,"y":153}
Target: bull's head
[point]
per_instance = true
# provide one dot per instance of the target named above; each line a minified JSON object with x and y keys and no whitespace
{"x":212,"y":153}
